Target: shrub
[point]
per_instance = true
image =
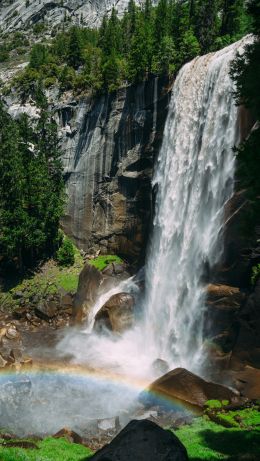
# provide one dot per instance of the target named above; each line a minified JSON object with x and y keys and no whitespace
{"x":255,"y":274}
{"x":214,"y":404}
{"x":66,"y":253}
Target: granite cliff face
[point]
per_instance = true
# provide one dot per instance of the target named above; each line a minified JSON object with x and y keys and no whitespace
{"x":110,"y":143}
{"x":19,"y":14}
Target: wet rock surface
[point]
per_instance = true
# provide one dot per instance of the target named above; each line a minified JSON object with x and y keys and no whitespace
{"x":117,"y":314}
{"x":142,"y":441}
{"x":182,"y":386}
{"x":89,"y":282}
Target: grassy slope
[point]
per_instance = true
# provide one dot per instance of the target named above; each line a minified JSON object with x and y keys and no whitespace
{"x":102,"y":261}
{"x":51,"y":277}
{"x":49,"y":450}
{"x":206,"y":440}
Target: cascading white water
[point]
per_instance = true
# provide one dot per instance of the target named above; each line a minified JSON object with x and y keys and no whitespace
{"x":194,"y":179}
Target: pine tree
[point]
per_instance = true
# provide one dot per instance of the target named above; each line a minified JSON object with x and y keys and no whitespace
{"x":162,"y":23}
{"x":140,"y":52}
{"x":31,"y":188}
{"x":12,"y":182}
{"x":206,"y":23}
{"x":233,"y":12}
{"x":38,"y":56}
{"x":75,"y":52}
{"x":245,"y":71}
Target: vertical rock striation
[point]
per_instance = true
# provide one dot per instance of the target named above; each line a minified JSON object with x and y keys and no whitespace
{"x":110,"y":143}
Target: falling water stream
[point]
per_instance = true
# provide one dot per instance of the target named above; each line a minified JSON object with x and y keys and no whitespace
{"x":194,"y":179}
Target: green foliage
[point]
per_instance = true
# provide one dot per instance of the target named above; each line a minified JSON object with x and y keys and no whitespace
{"x":75,"y":52}
{"x":39,"y":28}
{"x":245,"y":71}
{"x":216,"y":403}
{"x":49,"y":449}
{"x":157,"y":39}
{"x":255,"y":274}
{"x":31,"y":188}
{"x":101,"y":262}
{"x":66,"y":253}
{"x":68,"y":281}
{"x":4,"y":54}
{"x":38,"y":56}
{"x":206,"y":440}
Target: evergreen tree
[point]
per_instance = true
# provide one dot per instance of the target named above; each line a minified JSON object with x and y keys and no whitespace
{"x":12,"y":182}
{"x":75,"y":52}
{"x":206,"y":23}
{"x":38,"y":56}
{"x":31,"y":188}
{"x":233,"y":12}
{"x":245,"y":71}
{"x":138,"y":60}
{"x":162,"y":23}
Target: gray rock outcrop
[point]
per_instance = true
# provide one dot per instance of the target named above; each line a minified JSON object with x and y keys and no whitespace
{"x":19,"y":14}
{"x":110,"y":144}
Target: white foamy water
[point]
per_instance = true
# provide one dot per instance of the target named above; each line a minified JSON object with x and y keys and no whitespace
{"x":194,"y":177}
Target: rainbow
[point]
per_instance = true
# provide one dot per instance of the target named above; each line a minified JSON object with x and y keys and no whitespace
{"x":97,"y":377}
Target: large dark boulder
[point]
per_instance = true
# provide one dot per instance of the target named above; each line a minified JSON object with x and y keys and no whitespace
{"x":89,"y":282}
{"x":143,"y":441}
{"x":182,"y":386}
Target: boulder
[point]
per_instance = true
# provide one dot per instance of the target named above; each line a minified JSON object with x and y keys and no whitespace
{"x":117,"y":314}
{"x":66,"y":300}
{"x":46,"y":310}
{"x":68,"y":434}
{"x":224,"y":304}
{"x":182,"y":386}
{"x":143,"y":441}
{"x":224,"y":296}
{"x":3,"y":362}
{"x":108,"y":424}
{"x":247,"y":381}
{"x":89,"y":282}
{"x":12,"y":333}
{"x":160,"y":367}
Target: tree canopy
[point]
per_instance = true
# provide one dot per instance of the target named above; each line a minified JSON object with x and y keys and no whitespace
{"x":147,"y":39}
{"x":31,"y":188}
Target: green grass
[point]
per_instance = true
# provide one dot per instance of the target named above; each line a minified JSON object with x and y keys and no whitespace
{"x":68,"y":281}
{"x":208,"y":441}
{"x":101,"y":262}
{"x":50,"y":449}
{"x":47,"y":280}
{"x":242,"y":418}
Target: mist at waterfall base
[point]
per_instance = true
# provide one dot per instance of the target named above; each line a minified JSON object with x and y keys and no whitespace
{"x":194,"y":179}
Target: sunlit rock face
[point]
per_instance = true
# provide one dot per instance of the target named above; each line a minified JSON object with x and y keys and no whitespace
{"x":19,"y":14}
{"x":109,"y":146}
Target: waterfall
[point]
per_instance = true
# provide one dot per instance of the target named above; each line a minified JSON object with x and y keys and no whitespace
{"x":194,"y":179}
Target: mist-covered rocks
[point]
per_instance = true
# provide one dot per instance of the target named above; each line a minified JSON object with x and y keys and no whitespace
{"x":185,"y":388}
{"x":117,"y":314}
